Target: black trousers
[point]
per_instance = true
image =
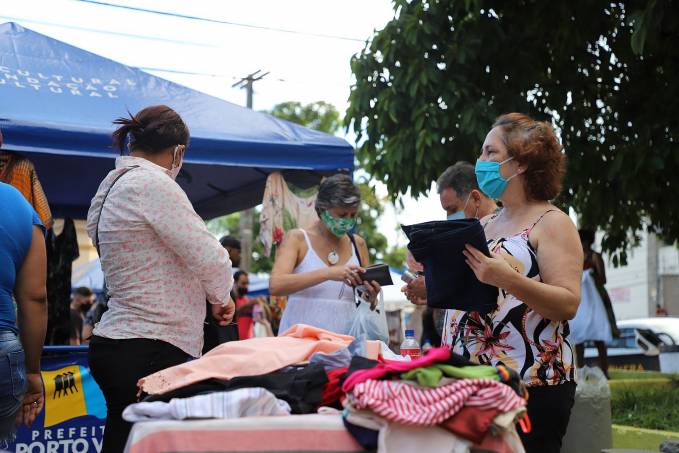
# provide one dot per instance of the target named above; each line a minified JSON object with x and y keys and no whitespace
{"x":117,"y":365}
{"x":214,"y":334}
{"x":549,"y":409}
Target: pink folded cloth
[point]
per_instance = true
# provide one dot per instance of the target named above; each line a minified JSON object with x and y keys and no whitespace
{"x":433,"y":356}
{"x":251,"y":357}
{"x":402,"y":402}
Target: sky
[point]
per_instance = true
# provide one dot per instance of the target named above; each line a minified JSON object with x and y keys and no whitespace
{"x":305,"y":45}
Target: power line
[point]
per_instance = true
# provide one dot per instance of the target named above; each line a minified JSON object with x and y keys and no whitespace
{"x":178,"y":71}
{"x":223,"y":22}
{"x":115,"y":33}
{"x":146,"y":68}
{"x":233,"y":77}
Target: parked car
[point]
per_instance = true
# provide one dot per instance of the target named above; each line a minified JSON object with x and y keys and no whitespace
{"x":646,"y":344}
{"x":664,"y":327}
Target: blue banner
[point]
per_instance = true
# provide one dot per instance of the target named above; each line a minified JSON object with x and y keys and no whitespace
{"x":73,"y":418}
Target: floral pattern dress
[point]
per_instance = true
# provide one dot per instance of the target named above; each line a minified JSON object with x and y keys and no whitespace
{"x":513,"y":334}
{"x":284,"y":208}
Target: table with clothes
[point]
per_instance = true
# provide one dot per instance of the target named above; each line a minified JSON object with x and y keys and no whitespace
{"x":313,"y":390}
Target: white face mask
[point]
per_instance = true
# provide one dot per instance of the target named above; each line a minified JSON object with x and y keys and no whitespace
{"x":176,"y":166}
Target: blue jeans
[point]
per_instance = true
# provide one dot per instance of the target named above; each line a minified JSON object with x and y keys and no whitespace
{"x":12,"y":382}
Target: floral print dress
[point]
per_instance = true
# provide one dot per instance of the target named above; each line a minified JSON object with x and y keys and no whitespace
{"x":513,"y":334}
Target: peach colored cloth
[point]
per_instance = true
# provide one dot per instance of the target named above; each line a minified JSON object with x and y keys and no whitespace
{"x":251,"y":357}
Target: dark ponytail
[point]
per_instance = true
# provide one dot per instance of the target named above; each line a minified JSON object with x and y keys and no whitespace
{"x":153,"y":129}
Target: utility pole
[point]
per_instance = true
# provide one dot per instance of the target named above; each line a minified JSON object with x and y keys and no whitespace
{"x":247,"y":217}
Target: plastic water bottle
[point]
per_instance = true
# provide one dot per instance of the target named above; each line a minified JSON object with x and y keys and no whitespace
{"x":410,"y":346}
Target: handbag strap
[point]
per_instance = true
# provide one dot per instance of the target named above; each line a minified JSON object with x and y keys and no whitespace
{"x":96,"y":230}
{"x":353,"y":242}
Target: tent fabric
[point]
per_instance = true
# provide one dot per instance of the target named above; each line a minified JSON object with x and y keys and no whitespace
{"x":57,"y":103}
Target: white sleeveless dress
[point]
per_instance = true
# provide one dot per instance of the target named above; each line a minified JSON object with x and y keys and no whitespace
{"x":328,"y":305}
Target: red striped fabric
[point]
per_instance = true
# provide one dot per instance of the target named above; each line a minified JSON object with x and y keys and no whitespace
{"x":401,"y":402}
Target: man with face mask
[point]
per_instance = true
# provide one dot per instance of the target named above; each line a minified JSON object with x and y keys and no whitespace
{"x":460,"y":194}
{"x":461,"y":198}
{"x":83,"y":298}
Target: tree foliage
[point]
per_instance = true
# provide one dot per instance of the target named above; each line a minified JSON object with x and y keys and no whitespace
{"x":323,"y":117}
{"x":430,"y":84}
{"x":320,"y":116}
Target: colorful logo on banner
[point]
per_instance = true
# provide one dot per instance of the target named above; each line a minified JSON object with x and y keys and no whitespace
{"x":68,"y":395}
{"x":74,"y":413}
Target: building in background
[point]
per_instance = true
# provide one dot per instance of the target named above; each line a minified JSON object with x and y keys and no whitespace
{"x":650,"y":279}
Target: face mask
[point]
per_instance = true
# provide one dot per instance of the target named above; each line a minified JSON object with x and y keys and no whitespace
{"x":458,"y":215}
{"x":338,"y":227}
{"x":242,"y":291}
{"x":174,"y":171}
{"x":488,"y":176}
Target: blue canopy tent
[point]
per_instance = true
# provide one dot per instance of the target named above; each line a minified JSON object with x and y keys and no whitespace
{"x":57,"y":103}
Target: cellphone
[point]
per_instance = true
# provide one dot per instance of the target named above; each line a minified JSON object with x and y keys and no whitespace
{"x":379,"y":273}
{"x":408,"y":276}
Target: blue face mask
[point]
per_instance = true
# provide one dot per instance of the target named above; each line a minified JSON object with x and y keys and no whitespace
{"x":488,"y":176}
{"x":457,"y":215}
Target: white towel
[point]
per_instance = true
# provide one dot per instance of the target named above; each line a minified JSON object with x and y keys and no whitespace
{"x":246,"y":402}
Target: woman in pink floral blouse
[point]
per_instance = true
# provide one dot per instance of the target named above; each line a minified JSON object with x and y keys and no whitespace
{"x":160,"y":264}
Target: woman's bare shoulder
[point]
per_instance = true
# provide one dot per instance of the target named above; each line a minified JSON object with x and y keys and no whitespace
{"x":359,"y":240}
{"x":294,"y":236}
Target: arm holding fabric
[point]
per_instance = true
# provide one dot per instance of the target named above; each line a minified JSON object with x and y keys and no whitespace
{"x":560,"y":257}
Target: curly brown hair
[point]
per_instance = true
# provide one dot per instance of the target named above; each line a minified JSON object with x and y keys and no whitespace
{"x":534,"y":145}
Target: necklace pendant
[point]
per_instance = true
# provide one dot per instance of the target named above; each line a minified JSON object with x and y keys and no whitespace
{"x":333,"y":257}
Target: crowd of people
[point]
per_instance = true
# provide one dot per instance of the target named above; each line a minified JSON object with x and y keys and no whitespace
{"x":174,"y":292}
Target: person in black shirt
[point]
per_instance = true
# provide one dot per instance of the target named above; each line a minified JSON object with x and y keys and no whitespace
{"x":83,"y":298}
{"x":214,"y":334}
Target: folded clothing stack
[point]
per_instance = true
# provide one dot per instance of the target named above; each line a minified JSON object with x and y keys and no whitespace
{"x":438,"y":398}
{"x":475,"y":404}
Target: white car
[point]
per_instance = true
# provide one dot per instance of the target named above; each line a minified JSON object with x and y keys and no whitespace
{"x":664,"y":327}
{"x":648,"y":344}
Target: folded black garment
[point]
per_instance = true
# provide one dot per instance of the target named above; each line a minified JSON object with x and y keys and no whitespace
{"x":300,"y":386}
{"x":450,"y":281}
{"x":366,"y":438}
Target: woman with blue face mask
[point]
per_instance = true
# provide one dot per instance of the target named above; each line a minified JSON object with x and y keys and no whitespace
{"x":318,"y":267}
{"x":536,"y":262}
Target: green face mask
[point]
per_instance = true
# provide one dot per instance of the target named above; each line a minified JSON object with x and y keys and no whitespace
{"x":338,"y":227}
